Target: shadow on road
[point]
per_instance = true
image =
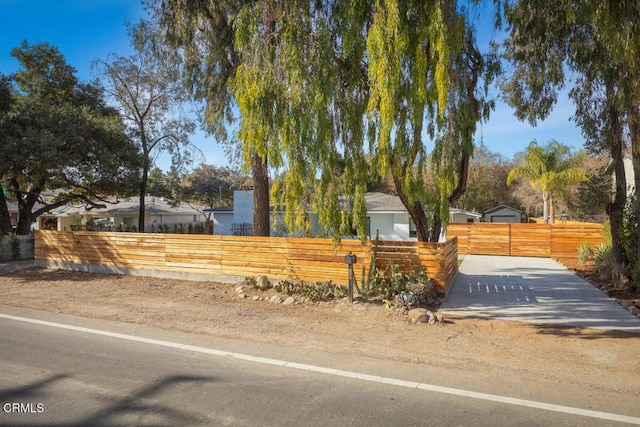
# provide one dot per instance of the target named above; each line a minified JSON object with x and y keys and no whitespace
{"x":144,"y":406}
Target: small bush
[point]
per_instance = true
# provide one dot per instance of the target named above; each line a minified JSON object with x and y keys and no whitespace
{"x":390,"y":282}
{"x":251,"y":282}
{"x":397,"y":288}
{"x":585,"y":253}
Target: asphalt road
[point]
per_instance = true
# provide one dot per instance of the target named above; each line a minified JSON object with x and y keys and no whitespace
{"x":72,"y":371}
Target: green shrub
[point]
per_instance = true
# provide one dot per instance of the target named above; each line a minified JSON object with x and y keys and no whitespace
{"x":390,"y":282}
{"x":319,"y":291}
{"x":420,"y":285}
{"x":585,"y":253}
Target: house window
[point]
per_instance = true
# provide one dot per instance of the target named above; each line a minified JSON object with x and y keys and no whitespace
{"x":412,"y":228}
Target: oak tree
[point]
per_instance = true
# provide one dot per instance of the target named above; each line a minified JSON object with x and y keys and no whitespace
{"x":59,"y":134}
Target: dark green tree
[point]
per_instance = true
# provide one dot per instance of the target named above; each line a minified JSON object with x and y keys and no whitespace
{"x":598,"y":42}
{"x":59,"y":134}
{"x":5,"y":107}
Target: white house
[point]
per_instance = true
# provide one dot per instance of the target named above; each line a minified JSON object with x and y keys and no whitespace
{"x":237,"y":220}
{"x":160,"y":215}
{"x":386,"y":216}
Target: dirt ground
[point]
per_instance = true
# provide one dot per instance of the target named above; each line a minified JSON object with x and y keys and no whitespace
{"x":584,"y":357}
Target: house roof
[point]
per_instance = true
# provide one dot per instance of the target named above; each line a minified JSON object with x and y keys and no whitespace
{"x":13,"y":206}
{"x":501,"y":207}
{"x":220,"y":209}
{"x":381,"y":202}
{"x":153,"y":205}
{"x":375,"y":202}
{"x":456,"y":211}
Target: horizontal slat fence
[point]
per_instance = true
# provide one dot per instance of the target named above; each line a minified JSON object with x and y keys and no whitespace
{"x":279,"y":258}
{"x":558,"y":241}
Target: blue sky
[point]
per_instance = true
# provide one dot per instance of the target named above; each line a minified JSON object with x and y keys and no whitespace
{"x":84,"y":30}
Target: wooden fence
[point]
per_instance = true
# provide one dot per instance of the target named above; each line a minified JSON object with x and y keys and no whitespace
{"x":214,"y":256}
{"x":558,"y":241}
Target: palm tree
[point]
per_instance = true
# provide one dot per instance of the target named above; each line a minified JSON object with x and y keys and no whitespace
{"x":550,"y":169}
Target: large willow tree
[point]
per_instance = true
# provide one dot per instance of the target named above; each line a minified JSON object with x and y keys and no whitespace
{"x":321,"y":86}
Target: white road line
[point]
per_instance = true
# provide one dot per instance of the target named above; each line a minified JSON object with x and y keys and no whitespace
{"x":341,"y":373}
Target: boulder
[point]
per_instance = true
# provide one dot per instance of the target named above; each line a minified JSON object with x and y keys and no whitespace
{"x":262,"y":282}
{"x":289,"y":301}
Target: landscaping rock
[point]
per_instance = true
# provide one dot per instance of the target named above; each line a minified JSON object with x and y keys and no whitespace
{"x":634,"y":310}
{"x":262,"y":282}
{"x":240,"y":292}
{"x":418,"y":315}
{"x":626,"y":304}
{"x":255,"y":298}
{"x":276,"y":299}
{"x":289,"y":301}
{"x":431,"y":319}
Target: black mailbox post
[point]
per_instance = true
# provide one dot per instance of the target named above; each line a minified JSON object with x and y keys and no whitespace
{"x":350,"y":259}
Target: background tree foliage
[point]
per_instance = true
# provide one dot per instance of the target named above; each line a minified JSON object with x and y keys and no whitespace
{"x":487,"y":186}
{"x":598,"y":42}
{"x":211,"y":186}
{"x":58,"y":134}
{"x":150,"y":98}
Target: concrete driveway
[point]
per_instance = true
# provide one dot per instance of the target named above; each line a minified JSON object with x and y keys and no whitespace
{"x":533,"y":290}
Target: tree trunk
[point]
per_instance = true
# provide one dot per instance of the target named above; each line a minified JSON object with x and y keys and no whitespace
{"x":437,"y":228}
{"x":552,"y":210}
{"x":634,"y":130}
{"x":545,"y":206}
{"x":461,"y":188}
{"x":615,"y":209}
{"x":25,"y":206}
{"x":416,"y":212}
{"x":261,"y":226}
{"x":143,"y":193}
{"x":5,"y":219}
